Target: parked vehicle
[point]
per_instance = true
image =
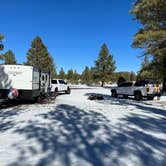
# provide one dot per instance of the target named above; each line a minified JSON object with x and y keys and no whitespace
{"x":140,"y":89}
{"x":58,"y":86}
{"x":23,"y":82}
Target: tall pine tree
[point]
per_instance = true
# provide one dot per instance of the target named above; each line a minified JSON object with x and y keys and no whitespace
{"x":1,"y":37}
{"x":9,"y":58}
{"x":1,"y":45}
{"x":76,"y":77}
{"x":39,"y":57}
{"x":70,"y":74}
{"x":104,"y":65}
{"x":62,"y":74}
{"x":152,"y":36}
{"x":86,"y":76}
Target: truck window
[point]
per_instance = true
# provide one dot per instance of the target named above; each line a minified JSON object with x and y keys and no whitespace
{"x":140,"y":83}
{"x":122,"y":85}
{"x":61,"y":81}
{"x":126,"y":84}
{"x":129,"y":84}
{"x":54,"y":81}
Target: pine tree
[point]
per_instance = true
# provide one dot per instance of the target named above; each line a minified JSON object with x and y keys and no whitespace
{"x":132,"y":76}
{"x":39,"y":57}
{"x":76,"y":77}
{"x":86,"y":76}
{"x":9,"y":57}
{"x":104,"y":65}
{"x":152,"y":36}
{"x":120,"y":80}
{"x":1,"y":37}
{"x":70,"y":74}
{"x":62,"y":74}
{"x":145,"y":63}
{"x":1,"y":45}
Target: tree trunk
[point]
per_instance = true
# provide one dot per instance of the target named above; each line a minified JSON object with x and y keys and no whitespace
{"x":102,"y":83}
{"x":164,"y":84}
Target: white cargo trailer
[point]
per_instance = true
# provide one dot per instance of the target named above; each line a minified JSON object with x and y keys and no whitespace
{"x":23,"y":82}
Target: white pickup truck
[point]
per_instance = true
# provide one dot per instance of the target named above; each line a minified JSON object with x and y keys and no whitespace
{"x":141,"y":89}
{"x":58,"y":86}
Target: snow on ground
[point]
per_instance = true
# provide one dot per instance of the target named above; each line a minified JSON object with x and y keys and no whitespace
{"x":73,"y":130}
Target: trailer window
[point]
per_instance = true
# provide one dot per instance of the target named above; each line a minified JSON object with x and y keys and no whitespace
{"x":54,"y":81}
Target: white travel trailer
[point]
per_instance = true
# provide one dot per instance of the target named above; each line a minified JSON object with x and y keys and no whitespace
{"x":23,"y":82}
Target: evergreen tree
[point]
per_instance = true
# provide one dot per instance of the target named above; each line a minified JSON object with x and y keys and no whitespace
{"x":145,"y":72}
{"x":104,"y":65}
{"x":132,"y":76}
{"x":1,"y":37}
{"x":152,"y":36}
{"x":86,"y":76}
{"x":70,"y":74}
{"x":76,"y":77}
{"x":120,"y":80}
{"x":145,"y":63}
{"x":39,"y":57}
{"x":62,"y":74}
{"x":9,"y":57}
{"x":1,"y":45}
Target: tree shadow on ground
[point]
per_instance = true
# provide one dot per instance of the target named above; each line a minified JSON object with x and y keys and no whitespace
{"x":76,"y":137}
{"x":7,"y":120}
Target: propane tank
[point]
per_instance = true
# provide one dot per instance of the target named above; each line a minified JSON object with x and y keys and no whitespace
{"x":13,"y":93}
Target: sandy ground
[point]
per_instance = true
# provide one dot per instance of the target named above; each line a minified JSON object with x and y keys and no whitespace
{"x":74,"y":131}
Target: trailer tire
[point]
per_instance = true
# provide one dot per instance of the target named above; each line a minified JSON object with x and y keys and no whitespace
{"x":56,"y":92}
{"x":34,"y":100}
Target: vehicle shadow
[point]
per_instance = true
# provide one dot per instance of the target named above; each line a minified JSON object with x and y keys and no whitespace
{"x":70,"y":136}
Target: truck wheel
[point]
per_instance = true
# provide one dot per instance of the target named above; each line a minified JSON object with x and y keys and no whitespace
{"x":150,"y":97}
{"x":114,"y":93}
{"x":138,"y":96}
{"x":68,"y":91}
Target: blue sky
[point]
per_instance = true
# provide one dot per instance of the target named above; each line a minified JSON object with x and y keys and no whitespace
{"x":73,"y":30}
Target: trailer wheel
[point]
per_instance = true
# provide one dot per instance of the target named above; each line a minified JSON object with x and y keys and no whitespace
{"x":56,"y":92}
{"x":34,"y":100}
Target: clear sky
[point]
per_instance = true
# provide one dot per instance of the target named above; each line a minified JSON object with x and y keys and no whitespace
{"x":73,"y":30}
